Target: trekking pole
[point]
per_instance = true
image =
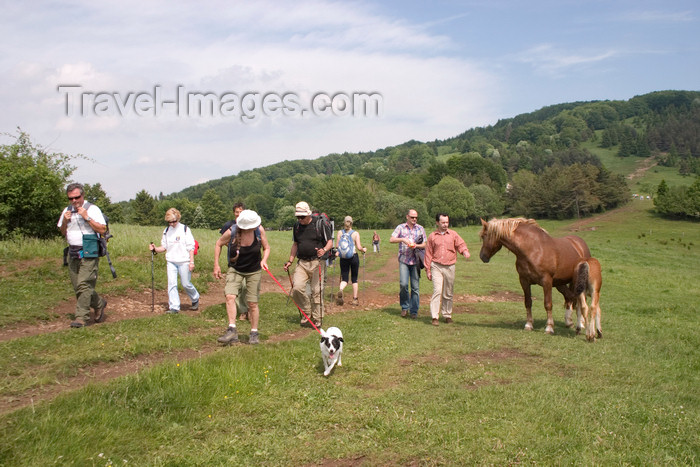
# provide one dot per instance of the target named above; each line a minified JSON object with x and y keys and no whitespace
{"x":291,"y":286}
{"x":153,"y":280}
{"x":364,"y":272}
{"x":320,"y":287}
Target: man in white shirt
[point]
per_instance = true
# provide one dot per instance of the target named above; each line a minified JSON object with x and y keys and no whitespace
{"x":79,"y":219}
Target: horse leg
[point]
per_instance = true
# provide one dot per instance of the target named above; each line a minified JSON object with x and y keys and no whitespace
{"x":595,"y":304}
{"x":569,"y":297}
{"x":547,"y":286}
{"x":528,"y":303}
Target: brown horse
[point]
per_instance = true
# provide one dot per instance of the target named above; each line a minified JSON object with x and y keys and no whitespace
{"x":540,"y":259}
{"x":589,"y":279}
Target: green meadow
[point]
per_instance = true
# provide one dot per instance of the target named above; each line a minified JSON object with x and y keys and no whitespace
{"x":480,"y":391}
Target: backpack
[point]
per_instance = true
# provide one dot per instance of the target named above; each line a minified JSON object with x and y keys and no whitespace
{"x":101,"y":238}
{"x":324,"y":230}
{"x":231,"y":257}
{"x":346,"y":245}
{"x":196,"y":243}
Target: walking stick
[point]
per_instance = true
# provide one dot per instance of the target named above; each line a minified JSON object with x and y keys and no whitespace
{"x":291,"y":286}
{"x":153,"y":280}
{"x":364,"y":271}
{"x":320,"y":286}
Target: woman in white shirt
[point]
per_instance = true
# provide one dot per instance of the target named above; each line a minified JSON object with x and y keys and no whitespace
{"x":178,"y":243}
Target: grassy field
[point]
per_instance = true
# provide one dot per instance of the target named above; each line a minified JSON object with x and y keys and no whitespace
{"x":481,"y":391}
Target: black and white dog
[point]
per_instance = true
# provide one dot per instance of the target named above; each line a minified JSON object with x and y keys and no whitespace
{"x":331,"y":348}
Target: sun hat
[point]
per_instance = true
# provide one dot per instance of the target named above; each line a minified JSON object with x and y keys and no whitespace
{"x":248,"y":219}
{"x":302,"y":209}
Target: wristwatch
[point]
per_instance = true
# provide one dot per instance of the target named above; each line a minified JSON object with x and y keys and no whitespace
{"x":89,"y":219}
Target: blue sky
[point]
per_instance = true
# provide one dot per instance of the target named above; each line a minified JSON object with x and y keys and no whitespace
{"x":439,"y":67}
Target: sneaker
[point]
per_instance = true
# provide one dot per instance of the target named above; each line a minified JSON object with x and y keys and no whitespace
{"x":355,"y":302}
{"x":100,"y":311}
{"x":231,"y":336}
{"x":448,"y":320}
{"x":404,"y":313}
{"x":195,"y":305}
{"x":172,"y":312}
{"x":435,"y":322}
{"x":254,"y":338}
{"x":339,"y":299}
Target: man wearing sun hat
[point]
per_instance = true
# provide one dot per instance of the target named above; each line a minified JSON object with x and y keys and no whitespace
{"x":249,"y":251}
{"x":311,"y":241}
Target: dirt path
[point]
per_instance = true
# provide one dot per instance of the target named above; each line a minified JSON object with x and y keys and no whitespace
{"x":138,"y":305}
{"x":644,"y":165}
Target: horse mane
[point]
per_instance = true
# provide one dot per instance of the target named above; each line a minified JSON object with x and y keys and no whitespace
{"x":504,"y":228}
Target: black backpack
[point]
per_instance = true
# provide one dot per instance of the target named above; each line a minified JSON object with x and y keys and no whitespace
{"x":233,"y":257}
{"x":324,"y":230}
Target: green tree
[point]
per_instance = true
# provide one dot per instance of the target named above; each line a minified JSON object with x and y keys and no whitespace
{"x":32,"y":188}
{"x":487,"y":203}
{"x":143,"y":209}
{"x":214,"y":210}
{"x":452,"y":197}
{"x":340,"y":196}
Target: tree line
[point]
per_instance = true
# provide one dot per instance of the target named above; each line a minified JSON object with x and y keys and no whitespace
{"x":530,"y":165}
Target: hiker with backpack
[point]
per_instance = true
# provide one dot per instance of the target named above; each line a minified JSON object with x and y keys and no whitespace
{"x":312,"y":243}
{"x":180,"y":247}
{"x":82,"y":223}
{"x":248,"y":252}
{"x":241,"y":302}
{"x":347,"y":246}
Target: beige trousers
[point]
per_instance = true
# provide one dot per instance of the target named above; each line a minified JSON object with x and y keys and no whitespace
{"x":308,"y":272}
{"x":443,"y":286}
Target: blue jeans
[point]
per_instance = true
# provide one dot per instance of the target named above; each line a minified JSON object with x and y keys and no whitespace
{"x":183,"y":270}
{"x":409,"y":302}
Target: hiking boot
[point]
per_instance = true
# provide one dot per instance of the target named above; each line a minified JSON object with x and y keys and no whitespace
{"x":448,"y":320}
{"x":80,"y":324}
{"x":414,"y":315}
{"x":231,"y":336}
{"x":435,"y":322}
{"x":339,"y":298}
{"x":195,"y":305}
{"x":355,"y":302}
{"x":404,"y":313}
{"x":100,"y":311}
{"x":254,"y":338}
{"x":172,"y":312}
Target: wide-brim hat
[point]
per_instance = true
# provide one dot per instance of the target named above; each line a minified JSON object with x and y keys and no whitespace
{"x":302,"y":209}
{"x":248,"y":219}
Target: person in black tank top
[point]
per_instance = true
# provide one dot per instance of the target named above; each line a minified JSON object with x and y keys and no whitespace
{"x":248,"y":258}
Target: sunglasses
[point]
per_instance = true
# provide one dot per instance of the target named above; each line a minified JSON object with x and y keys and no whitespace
{"x":73,"y":198}
{"x":172,"y":222}
{"x":413,"y":217}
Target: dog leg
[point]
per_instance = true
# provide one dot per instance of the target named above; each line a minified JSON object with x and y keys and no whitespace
{"x":329,"y":368}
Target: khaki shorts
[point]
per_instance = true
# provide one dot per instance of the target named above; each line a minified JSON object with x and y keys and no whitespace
{"x":234,"y":284}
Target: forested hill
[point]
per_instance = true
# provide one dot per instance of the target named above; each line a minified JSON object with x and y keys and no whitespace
{"x":533,"y":165}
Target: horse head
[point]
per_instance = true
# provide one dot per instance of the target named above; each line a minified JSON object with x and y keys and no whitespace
{"x":490,"y":242}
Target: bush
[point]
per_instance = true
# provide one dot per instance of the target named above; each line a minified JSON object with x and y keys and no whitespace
{"x":32,"y":189}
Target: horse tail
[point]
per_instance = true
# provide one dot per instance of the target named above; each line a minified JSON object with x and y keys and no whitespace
{"x":581,"y":277}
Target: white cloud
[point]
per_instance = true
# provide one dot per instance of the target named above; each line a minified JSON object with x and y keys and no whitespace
{"x":313,"y":46}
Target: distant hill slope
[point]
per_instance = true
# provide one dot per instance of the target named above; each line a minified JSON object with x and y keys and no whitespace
{"x":559,"y":161}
